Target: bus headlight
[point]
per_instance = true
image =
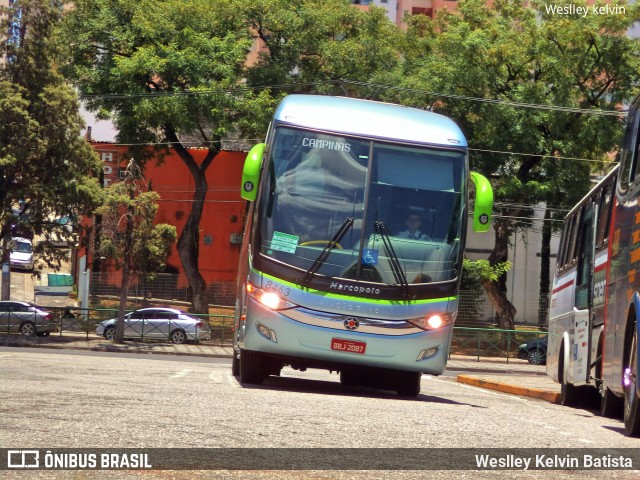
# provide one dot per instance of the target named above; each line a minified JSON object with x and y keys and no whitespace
{"x":269,"y":299}
{"x":432,"y":321}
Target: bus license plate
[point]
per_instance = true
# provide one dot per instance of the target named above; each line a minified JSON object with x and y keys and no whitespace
{"x":348,"y":346}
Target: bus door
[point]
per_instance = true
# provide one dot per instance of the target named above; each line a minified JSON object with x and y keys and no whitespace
{"x":580,"y":349}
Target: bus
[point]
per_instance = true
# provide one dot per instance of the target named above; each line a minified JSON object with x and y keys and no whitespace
{"x":595,"y":305}
{"x":576,"y":311}
{"x":328,"y":277}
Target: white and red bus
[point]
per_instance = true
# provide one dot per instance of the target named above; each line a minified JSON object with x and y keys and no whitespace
{"x":576,"y":318}
{"x":595,"y":304}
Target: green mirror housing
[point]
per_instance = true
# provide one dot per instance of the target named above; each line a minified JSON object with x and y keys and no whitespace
{"x":484,"y":203}
{"x":251,"y":172}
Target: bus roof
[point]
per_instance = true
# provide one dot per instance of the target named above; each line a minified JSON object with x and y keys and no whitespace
{"x":369,"y":119}
{"x":598,"y":186}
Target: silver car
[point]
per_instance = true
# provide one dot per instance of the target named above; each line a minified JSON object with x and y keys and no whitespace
{"x":26,"y":318}
{"x":158,"y":323}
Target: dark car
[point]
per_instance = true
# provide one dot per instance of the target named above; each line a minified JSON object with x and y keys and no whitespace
{"x":535,"y":352}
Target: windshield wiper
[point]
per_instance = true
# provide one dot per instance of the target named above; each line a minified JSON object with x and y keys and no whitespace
{"x":396,"y":268}
{"x":344,"y":228}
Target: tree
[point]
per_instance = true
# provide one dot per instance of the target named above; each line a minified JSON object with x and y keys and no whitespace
{"x":131,"y":239}
{"x":174,"y":72}
{"x":47,"y":170}
{"x":168,"y":72}
{"x":311,"y":46}
{"x":515,"y":53}
{"x":475,"y":273}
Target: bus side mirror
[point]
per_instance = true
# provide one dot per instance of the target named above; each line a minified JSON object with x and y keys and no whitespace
{"x":484,"y":203}
{"x":251,"y":172}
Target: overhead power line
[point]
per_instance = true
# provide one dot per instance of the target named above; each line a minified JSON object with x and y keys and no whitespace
{"x":539,"y":106}
{"x":539,"y":155}
{"x":228,"y":91}
{"x":257,"y":140}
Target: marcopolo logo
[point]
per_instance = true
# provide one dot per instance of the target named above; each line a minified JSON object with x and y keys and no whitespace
{"x":23,"y":459}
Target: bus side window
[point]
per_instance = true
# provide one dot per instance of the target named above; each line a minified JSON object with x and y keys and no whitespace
{"x":635,"y":151}
{"x":570,"y":253}
{"x":629,"y":153}
{"x":604,"y":215}
{"x":563,"y":245}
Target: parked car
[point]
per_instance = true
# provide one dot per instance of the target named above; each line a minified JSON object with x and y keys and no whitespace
{"x":535,"y":352}
{"x":21,"y":255}
{"x":26,"y":318}
{"x":158,"y":323}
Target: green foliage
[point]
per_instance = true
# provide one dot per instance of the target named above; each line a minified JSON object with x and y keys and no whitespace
{"x":47,"y":170}
{"x":152,"y":53}
{"x":310,"y":41}
{"x":475,"y":272}
{"x":179,"y":74}
{"x":128,"y":210}
{"x":514,"y":52}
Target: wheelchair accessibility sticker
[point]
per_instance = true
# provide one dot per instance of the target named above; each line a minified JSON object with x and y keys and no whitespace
{"x":370,"y":257}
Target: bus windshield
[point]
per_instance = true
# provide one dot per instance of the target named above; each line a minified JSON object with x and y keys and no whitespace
{"x":395,"y":212}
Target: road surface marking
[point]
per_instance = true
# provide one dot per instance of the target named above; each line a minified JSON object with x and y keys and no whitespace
{"x":181,"y":373}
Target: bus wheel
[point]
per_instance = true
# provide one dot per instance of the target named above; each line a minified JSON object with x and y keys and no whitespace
{"x":610,"y":404}
{"x":409,"y":384}
{"x":631,"y":407}
{"x":235,"y":364}
{"x":350,"y":378}
{"x":251,"y":367}
{"x":570,"y":395}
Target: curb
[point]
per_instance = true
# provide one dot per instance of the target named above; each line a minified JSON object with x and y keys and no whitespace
{"x":112,"y":348}
{"x":511,"y":389}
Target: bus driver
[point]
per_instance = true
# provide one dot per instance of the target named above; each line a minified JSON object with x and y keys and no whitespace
{"x":413,"y":223}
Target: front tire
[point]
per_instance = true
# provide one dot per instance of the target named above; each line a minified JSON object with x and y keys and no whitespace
{"x":611,"y":406}
{"x":350,"y":378}
{"x":235,"y":364}
{"x":409,"y":384}
{"x":178,"y":337}
{"x":109,"y":333}
{"x":252,"y":369}
{"x":570,"y":395}
{"x":631,"y":404}
{"x":28,"y":329}
{"x":537,"y":357}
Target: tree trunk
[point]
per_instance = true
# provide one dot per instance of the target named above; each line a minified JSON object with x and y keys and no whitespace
{"x":126,"y":268}
{"x":503,"y":307}
{"x":497,"y":294}
{"x":189,"y":251}
{"x":189,"y":240}
{"x":545,"y":261}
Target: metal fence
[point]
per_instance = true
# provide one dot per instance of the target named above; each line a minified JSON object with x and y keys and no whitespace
{"x":491,"y":342}
{"x":83,"y":322}
{"x":475,"y":308}
{"x":470,"y":341}
{"x":164,"y":286}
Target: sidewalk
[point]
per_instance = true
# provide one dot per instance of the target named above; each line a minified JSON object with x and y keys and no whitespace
{"x":513,"y":376}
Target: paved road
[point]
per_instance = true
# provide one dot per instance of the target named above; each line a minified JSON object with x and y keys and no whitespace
{"x":59,"y":398}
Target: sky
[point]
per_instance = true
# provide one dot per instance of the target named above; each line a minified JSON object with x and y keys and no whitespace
{"x":101,"y":130}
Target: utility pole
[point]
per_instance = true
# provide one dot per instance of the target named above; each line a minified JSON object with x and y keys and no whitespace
{"x":5,"y":292}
